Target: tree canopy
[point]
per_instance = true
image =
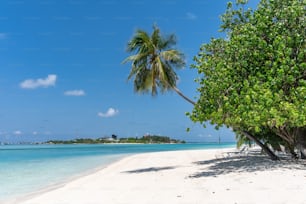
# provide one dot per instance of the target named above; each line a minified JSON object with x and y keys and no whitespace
{"x":255,"y":79}
{"x":154,"y":60}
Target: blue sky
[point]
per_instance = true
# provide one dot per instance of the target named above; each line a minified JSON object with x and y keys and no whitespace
{"x":62,"y":77}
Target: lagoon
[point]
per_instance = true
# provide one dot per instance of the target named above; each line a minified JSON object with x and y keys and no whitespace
{"x":29,"y":168}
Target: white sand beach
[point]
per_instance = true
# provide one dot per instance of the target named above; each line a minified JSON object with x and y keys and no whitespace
{"x":185,"y":177}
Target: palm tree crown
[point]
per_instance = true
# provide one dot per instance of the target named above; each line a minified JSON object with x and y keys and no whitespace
{"x":153,"y":62}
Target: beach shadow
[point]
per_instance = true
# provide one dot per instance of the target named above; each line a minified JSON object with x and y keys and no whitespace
{"x":254,"y":162}
{"x":151,"y":169}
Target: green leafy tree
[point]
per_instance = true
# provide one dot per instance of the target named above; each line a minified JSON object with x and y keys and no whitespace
{"x":153,"y":61}
{"x":254,"y":80}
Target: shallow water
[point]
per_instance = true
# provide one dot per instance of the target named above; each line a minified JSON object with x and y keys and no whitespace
{"x":28,"y":168}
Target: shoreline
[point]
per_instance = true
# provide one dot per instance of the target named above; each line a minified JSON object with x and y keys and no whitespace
{"x":62,"y":183}
{"x":57,"y":185}
{"x":36,"y":180}
{"x":183,"y":176}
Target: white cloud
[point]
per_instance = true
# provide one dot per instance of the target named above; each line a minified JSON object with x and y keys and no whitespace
{"x":109,"y":113}
{"x":36,"y":83}
{"x":35,"y":133}
{"x":75,"y":93}
{"x":191,"y":16}
{"x":17,"y":132}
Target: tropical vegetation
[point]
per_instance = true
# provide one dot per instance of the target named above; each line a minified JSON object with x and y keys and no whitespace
{"x":150,"y":139}
{"x":147,"y":139}
{"x":254,"y":79}
{"x":153,"y":61}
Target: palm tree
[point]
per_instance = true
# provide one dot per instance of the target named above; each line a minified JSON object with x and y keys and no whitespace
{"x":153,"y":61}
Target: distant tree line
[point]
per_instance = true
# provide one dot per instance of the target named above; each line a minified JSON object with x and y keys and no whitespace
{"x":150,"y":139}
{"x":147,"y":139}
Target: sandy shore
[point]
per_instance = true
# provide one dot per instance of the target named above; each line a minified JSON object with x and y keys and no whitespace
{"x":185,"y":177}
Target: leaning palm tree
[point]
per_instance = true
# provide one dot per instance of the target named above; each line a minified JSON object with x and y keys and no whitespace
{"x":153,"y":60}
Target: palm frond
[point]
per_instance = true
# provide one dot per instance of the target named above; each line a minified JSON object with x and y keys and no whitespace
{"x":135,"y":70}
{"x":155,"y":37}
{"x":145,"y":82}
{"x":170,"y":76}
{"x":153,"y":62}
{"x":140,"y":42}
{"x":167,"y":42}
{"x":174,"y":57}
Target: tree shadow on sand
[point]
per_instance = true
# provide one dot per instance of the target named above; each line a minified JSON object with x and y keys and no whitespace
{"x":254,"y":162}
{"x":151,"y":169}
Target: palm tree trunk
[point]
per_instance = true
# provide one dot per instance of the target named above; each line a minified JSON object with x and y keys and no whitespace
{"x":183,"y":96}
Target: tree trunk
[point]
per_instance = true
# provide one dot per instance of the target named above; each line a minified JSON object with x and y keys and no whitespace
{"x":266,"y":149}
{"x":303,"y":154}
{"x":294,"y":155}
{"x":183,"y":96}
{"x":301,"y":141}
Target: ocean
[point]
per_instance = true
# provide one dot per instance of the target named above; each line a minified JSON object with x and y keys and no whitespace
{"x":28,"y":168}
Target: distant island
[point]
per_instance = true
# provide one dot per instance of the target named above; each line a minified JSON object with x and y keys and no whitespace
{"x":147,"y":139}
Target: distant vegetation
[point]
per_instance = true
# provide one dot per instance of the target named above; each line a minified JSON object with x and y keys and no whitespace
{"x":149,"y":139}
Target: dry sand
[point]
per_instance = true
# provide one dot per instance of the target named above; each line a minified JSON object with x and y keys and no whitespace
{"x":185,"y":177}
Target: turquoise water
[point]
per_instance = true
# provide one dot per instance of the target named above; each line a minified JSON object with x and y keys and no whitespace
{"x":28,"y":168}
